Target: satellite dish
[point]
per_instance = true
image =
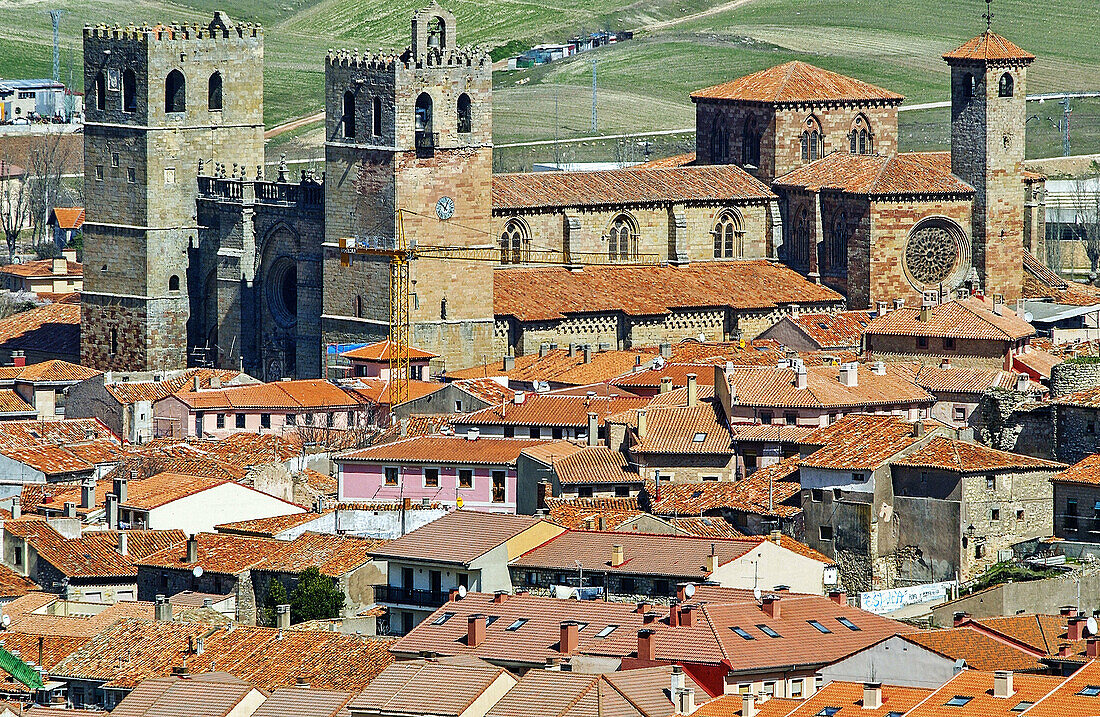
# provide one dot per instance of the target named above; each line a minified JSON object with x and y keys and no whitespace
{"x":1028,"y":316}
{"x":462,"y":591}
{"x":1090,"y":625}
{"x":689,"y":590}
{"x":197,"y":572}
{"x":756,"y":593}
{"x":6,"y":620}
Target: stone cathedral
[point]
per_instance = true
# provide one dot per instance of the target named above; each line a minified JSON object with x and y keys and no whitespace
{"x":194,"y":256}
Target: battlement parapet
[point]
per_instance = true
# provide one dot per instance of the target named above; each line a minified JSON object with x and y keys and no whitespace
{"x":219,"y":28}
{"x":386,"y":62}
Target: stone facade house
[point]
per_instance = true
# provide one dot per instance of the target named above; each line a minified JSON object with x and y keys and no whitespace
{"x":1077,"y":501}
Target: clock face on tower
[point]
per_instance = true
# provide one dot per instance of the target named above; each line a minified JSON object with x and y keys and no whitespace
{"x":445,"y":208}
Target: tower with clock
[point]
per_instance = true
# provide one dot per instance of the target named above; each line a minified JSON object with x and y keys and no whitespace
{"x":409,"y":139}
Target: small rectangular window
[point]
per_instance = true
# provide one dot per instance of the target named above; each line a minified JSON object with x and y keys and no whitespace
{"x":114,"y":159}
{"x":796,"y":689}
{"x":99,"y":173}
{"x":291,"y":418}
{"x":819,"y":627}
{"x":391,"y":475}
{"x":1019,"y":515}
{"x":790,"y":418}
{"x":949,"y":344}
{"x":766,"y":417}
{"x":265,"y":420}
{"x":828,"y":711}
{"x":622,"y":491}
{"x":607,"y":631}
{"x":169,"y":175}
{"x":131,"y":175}
{"x":458,"y":406}
{"x":995,"y":514}
{"x":816,"y":495}
{"x":959,"y":414}
{"x":535,"y":432}
{"x":768,"y":631}
{"x":1020,"y":707}
{"x":240,"y":420}
{"x":443,"y":618}
{"x":990,"y":483}
{"x":465,"y":478}
{"x":1090,"y":691}
{"x":509,"y":431}
{"x":220,"y":420}
{"x":431,"y":477}
{"x":557,"y":433}
{"x":825,"y":532}
{"x":958,"y":701}
{"x":922,"y":342}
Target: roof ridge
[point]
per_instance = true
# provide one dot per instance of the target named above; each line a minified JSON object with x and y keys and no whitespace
{"x":606,"y":679}
{"x":580,"y":695}
{"x":966,"y":305}
{"x":794,"y":64}
{"x":882,"y":170}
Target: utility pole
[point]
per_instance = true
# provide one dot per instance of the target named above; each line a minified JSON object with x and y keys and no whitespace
{"x":55,"y":15}
{"x":1065,"y":126}
{"x":593,"y":94}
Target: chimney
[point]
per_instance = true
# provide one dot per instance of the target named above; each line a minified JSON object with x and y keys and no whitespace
{"x":593,"y":429}
{"x":617,"y":555}
{"x":666,"y":384}
{"x":60,"y":266}
{"x":587,"y":353}
{"x":87,"y":494}
{"x":472,"y":434}
{"x":801,"y":377}
{"x":849,"y":374}
{"x":162,"y":609}
{"x":192,"y":549}
{"x":569,"y":637}
{"x":898,"y":303}
{"x":681,"y":591}
{"x":572,"y":350}
{"x":881,"y":307}
{"x":282,"y":616}
{"x":878,"y":368}
{"x":215,"y":381}
{"x":123,"y":543}
{"x":16,"y":507}
{"x":693,"y":391}
{"x":646,"y":649}
{"x":70,"y":509}
{"x":641,"y":423}
{"x":112,"y":511}
{"x":18,"y":358}
{"x":649,"y":618}
{"x":208,"y":602}
{"x":748,"y":705}
{"x":544,"y":350}
{"x":475,"y":630}
{"x":685,"y":702}
{"x":839,"y":597}
{"x":195,"y":383}
{"x":872,"y":695}
{"x":771,"y":606}
{"x":959,"y":618}
{"x":509,"y":363}
{"x":776,"y":536}
{"x":674,"y":615}
{"x":452,"y":595}
{"x":678,"y":681}
{"x":666,"y":350}
{"x":1067,"y":610}
{"x":1075,"y":629}
{"x":1092,"y":648}
{"x":794,"y":312}
{"x":687,"y":615}
{"x":643,"y":607}
{"x":945,"y":364}
{"x":712,"y":560}
{"x":1002,"y":684}
{"x":1065,"y":650}
{"x":120,"y":484}
{"x":1021,"y":382}
{"x":500,"y":596}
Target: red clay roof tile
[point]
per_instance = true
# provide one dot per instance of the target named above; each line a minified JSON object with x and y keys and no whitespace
{"x":797,"y":82}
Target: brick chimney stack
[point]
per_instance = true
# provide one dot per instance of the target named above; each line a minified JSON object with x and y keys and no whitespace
{"x":1075,"y":628}
{"x":569,"y":637}
{"x":959,"y":618}
{"x":618,"y":555}
{"x":475,"y":630}
{"x":771,"y":606}
{"x":839,"y":597}
{"x":647,"y":650}
{"x":687,"y":615}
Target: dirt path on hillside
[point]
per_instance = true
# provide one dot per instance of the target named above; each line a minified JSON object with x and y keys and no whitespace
{"x":293,"y":124}
{"x":665,"y":24}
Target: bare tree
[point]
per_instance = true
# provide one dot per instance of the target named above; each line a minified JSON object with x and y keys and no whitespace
{"x":1086,"y":207}
{"x":49,"y":156}
{"x":14,"y":204}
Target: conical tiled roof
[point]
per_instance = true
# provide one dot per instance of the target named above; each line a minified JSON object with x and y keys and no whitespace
{"x":796,"y":82}
{"x":989,"y":46}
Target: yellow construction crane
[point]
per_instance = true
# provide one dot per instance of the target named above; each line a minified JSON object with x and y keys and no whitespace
{"x":402,"y":252}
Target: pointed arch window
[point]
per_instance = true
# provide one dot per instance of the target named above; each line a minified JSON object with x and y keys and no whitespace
{"x":100,"y":91}
{"x":719,"y":141}
{"x":129,"y":91}
{"x":622,"y":239}
{"x":349,"y":114}
{"x":801,"y":236}
{"x":812,"y":140}
{"x":425,"y":137}
{"x":729,"y":236}
{"x":835,"y":261}
{"x":465,"y":114}
{"x":515,"y":241}
{"x":750,"y":143}
{"x":1006,"y":85}
{"x":860,"y":139}
{"x":175,"y":92}
{"x":214,"y":91}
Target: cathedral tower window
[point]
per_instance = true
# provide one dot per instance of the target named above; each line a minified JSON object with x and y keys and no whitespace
{"x":1005,"y":86}
{"x":437,"y":33}
{"x":129,"y":91}
{"x":174,"y":283}
{"x":969,"y":84}
{"x":719,"y":141}
{"x":802,"y":235}
{"x":349,"y":114}
{"x":465,"y":114}
{"x":376,"y":116}
{"x":425,"y":138}
{"x":175,"y":92}
{"x":750,"y":143}
{"x":214,"y":91}
{"x":729,"y":237}
{"x":622,"y":239}
{"x":860,"y":139}
{"x":515,"y":241}
{"x":100,"y":91}
{"x":835,"y":261}
{"x":812,"y":141}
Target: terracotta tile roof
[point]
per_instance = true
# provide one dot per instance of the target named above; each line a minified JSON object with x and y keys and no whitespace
{"x":978,"y":687}
{"x":980,"y":650}
{"x":54,"y":371}
{"x":13,"y":585}
{"x":847,"y":699}
{"x":404,"y":688}
{"x":1036,"y":361}
{"x":1035,"y":267}
{"x":797,"y":82}
{"x":54,"y":647}
{"x":444,"y":449}
{"x":485,"y":389}
{"x":377,"y":391}
{"x":295,"y":702}
{"x":209,"y":695}
{"x":971,"y":318}
{"x":549,"y":410}
{"x":12,"y":403}
{"x":127,"y":392}
{"x":230,"y":554}
{"x":650,"y":377}
{"x":578,"y":513}
{"x":875,"y":175}
{"x":619,"y":187}
{"x":1089,"y":398}
{"x":163,"y":488}
{"x":68,"y":217}
{"x":481,"y":532}
{"x":676,"y":160}
{"x":333,"y":555}
{"x":1059,"y":291}
{"x":29,"y":603}
{"x":1086,"y":471}
{"x":859,"y":442}
{"x":773,"y":387}
{"x":547,"y":453}
{"x":989,"y":46}
{"x":595,"y":465}
{"x":267,"y":527}
{"x":1067,"y":698}
{"x":380,"y":351}
{"x":730,"y":706}
{"x":760,"y":493}
{"x":95,"y":554}
{"x":52,"y":329}
{"x":131,"y":651}
{"x":1045,"y":633}
{"x":960,"y":379}
{"x":700,"y":429}
{"x":559,"y":367}
{"x":545,"y":293}
{"x":705,"y":527}
{"x":417,"y":425}
{"x":834,"y":331}
{"x":61,"y":461}
{"x":966,"y":457}
{"x":770,"y":433}
{"x":287,"y":395}
{"x":41,"y":268}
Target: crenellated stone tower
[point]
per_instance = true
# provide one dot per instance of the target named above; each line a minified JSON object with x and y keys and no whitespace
{"x":160,"y":101}
{"x":411,"y":132}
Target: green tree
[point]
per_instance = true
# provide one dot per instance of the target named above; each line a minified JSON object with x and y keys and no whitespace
{"x":276,"y":595}
{"x":317,"y":597}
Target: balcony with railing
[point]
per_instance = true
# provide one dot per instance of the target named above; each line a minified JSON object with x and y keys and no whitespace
{"x":395,"y":595}
{"x":309,"y":192}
